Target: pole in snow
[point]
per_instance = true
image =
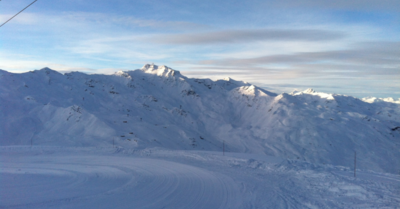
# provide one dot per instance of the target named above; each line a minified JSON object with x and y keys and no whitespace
{"x":32,"y":138}
{"x":355,"y":163}
{"x":223,"y":147}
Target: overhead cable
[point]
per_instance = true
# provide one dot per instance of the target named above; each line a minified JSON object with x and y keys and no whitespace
{"x":17,"y":13}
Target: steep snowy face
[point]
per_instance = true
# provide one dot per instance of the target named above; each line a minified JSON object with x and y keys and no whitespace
{"x":156,"y":106}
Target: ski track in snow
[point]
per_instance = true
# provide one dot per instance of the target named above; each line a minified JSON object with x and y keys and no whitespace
{"x":51,"y":177}
{"x":111,"y":182}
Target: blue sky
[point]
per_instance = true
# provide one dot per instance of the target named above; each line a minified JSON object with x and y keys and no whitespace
{"x":347,"y":47}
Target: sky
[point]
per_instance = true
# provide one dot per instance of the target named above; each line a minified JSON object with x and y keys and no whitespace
{"x":349,"y":47}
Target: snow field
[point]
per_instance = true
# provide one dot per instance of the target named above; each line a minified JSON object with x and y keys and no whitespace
{"x":46,"y":177}
{"x":98,"y":181}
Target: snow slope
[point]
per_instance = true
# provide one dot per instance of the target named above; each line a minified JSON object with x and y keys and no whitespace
{"x":157,"y":106}
{"x":374,"y":99}
{"x":60,"y":177}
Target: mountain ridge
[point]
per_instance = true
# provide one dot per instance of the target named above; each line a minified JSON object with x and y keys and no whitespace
{"x":156,"y":106}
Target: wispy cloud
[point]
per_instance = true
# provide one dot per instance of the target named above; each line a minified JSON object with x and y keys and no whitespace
{"x":129,"y":21}
{"x":366,"y":5}
{"x":241,"y":36}
{"x":91,"y":20}
{"x":371,"y":53}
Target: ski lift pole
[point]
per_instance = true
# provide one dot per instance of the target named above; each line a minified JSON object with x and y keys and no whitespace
{"x":355,"y":163}
{"x":32,"y":139}
{"x":223,"y":147}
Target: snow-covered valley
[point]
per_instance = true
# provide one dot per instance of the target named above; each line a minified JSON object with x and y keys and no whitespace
{"x":153,"y":138}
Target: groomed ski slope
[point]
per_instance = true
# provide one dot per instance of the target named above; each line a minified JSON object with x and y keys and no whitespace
{"x":59,"y":177}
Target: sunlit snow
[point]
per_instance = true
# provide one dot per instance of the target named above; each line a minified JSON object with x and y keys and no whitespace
{"x":153,"y":138}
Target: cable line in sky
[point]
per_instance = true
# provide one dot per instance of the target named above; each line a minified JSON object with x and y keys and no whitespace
{"x":17,"y":13}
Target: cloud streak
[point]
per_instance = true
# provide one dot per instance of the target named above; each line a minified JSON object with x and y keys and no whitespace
{"x":374,"y":54}
{"x":129,"y":21}
{"x":243,"y":36}
{"x":359,"y":5}
{"x":90,"y":20}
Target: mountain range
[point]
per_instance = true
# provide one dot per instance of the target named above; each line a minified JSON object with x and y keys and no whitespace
{"x":158,"y":107}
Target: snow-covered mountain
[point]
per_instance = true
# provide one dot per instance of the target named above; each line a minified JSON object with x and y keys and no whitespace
{"x":157,"y":106}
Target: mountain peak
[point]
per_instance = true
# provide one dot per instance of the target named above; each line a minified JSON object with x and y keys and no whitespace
{"x":309,"y":91}
{"x":48,"y":71}
{"x":162,"y":70}
{"x":229,"y":79}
